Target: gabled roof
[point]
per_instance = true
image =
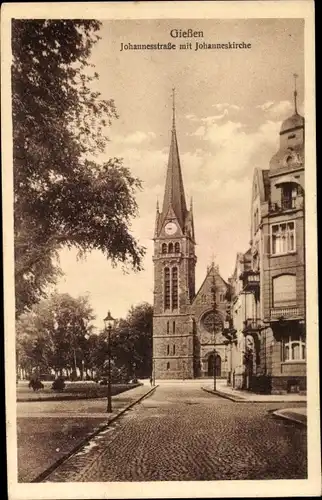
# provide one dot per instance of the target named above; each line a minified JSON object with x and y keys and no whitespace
{"x":210,"y":272}
{"x":261,"y":177}
{"x":266,"y":183}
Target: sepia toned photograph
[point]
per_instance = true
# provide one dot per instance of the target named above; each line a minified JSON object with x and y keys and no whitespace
{"x":161,"y":317}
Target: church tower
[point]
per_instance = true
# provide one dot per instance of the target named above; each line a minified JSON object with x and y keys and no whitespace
{"x":174,"y":275}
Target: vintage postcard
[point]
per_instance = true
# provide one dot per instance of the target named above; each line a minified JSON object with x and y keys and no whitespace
{"x":160,"y":250}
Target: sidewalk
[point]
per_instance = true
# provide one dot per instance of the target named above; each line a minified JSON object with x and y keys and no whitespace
{"x":50,"y":432}
{"x":225,"y":391}
{"x":298,"y":415}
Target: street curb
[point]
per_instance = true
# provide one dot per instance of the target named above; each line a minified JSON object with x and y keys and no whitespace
{"x":236,"y":399}
{"x":295,"y":419}
{"x":43,"y":475}
{"x":225,"y":396}
{"x":72,"y":397}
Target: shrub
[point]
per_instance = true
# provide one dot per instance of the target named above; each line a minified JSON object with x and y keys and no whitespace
{"x":58,"y":384}
{"x":35,"y":384}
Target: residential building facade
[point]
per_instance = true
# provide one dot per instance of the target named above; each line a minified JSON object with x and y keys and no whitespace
{"x":273,"y":271}
{"x":283,"y":273}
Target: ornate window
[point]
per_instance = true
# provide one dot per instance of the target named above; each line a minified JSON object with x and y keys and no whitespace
{"x":177,"y":247}
{"x":284,"y":290}
{"x":283,"y":238}
{"x":167,"y":288}
{"x":170,"y":248}
{"x":174,"y":288}
{"x":294,"y":348}
{"x":164,"y":248}
{"x":212,"y":322}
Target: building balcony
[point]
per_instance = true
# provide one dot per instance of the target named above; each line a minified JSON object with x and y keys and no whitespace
{"x":252,"y":325}
{"x":229,"y":331}
{"x":285,"y":205}
{"x":251,"y":280}
{"x":284,"y":313}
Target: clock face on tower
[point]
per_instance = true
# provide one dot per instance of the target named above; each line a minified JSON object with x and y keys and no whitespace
{"x":170,"y":228}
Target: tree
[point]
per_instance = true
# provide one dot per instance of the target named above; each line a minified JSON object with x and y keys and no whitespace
{"x":52,"y":335}
{"x":62,"y":195}
{"x":132,"y":341}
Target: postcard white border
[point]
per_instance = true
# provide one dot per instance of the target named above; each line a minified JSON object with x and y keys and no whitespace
{"x":178,"y":489}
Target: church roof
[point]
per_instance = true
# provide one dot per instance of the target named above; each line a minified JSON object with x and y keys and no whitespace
{"x":174,"y":196}
{"x":212,"y":270}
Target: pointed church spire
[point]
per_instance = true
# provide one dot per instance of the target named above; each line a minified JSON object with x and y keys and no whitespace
{"x":295,"y":93}
{"x":157,"y":219}
{"x":173,"y":109}
{"x":174,"y":196}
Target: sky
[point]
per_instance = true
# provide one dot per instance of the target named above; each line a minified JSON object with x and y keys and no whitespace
{"x":229,"y":109}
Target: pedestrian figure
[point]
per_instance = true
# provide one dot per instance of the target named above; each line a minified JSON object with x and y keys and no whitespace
{"x":151,"y":380}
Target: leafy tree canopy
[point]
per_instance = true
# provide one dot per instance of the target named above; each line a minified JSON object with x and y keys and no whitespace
{"x":53,"y":335}
{"x":132,"y":341}
{"x":63,"y":196}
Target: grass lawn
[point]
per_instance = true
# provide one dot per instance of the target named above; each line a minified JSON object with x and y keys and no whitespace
{"x":73,"y":390}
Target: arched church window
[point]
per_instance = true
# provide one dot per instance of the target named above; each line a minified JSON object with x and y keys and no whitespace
{"x":164,"y":248}
{"x":174,"y":288}
{"x":170,"y":247}
{"x":167,"y":327}
{"x":174,"y":350}
{"x":177,"y":247}
{"x":174,"y":327}
{"x":168,"y":349}
{"x":166,"y":288}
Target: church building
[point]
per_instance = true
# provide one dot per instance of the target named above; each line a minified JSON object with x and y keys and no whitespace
{"x":188,"y":327}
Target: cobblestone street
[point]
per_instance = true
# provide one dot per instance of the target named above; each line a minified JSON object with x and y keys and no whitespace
{"x":183,"y":433}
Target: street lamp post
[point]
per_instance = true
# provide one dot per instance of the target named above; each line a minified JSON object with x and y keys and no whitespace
{"x":109,"y":323}
{"x":86,"y":337}
{"x":214,"y":305}
{"x":215,"y":379}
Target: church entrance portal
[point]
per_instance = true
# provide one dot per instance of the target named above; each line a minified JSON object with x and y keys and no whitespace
{"x":211,"y":365}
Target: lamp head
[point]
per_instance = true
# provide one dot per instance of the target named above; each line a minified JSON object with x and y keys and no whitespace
{"x":109,"y":321}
